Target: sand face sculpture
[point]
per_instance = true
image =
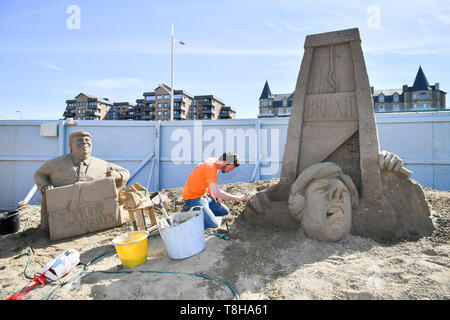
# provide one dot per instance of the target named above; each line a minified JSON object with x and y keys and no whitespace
{"x":77,"y":166}
{"x":333,"y":120}
{"x":321,"y":199}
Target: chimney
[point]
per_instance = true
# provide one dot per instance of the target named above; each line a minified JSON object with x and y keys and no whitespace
{"x":436,"y":86}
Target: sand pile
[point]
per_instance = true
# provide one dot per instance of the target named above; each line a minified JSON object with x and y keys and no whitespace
{"x":257,"y":263}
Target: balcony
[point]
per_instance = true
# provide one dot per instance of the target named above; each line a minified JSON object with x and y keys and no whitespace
{"x":147,"y":108}
{"x":266,"y":115}
{"x":69,"y":114}
{"x":208,"y":110}
{"x":179,"y":107}
{"x":93,"y":112}
{"x":147,"y":117}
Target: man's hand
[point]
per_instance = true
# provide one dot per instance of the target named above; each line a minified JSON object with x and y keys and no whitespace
{"x":243,"y":198}
{"x":116,"y":175}
{"x":391,"y":162}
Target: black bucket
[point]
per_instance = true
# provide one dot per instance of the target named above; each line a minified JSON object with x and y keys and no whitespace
{"x":9,"y":222}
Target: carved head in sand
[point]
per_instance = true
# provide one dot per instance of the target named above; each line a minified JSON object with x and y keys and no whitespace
{"x":321,"y":199}
{"x":80,"y":144}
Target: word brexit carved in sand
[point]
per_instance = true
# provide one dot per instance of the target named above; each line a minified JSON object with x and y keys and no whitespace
{"x":331,"y":107}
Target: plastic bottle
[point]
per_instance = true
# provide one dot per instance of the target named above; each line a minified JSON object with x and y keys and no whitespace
{"x":61,"y":265}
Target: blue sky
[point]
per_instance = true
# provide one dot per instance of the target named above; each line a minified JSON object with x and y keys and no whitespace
{"x":123,"y":48}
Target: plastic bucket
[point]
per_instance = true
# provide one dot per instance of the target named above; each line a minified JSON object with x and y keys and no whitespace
{"x":186,"y":238}
{"x":9,"y":222}
{"x":132,"y":247}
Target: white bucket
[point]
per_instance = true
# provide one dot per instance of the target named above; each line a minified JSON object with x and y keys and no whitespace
{"x":186,"y":238}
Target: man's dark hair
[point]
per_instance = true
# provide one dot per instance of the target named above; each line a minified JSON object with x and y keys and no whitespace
{"x":230,"y":158}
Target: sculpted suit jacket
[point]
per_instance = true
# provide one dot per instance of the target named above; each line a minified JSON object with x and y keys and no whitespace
{"x":63,"y":170}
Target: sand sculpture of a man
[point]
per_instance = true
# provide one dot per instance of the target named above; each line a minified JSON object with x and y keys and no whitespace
{"x":322,"y":197}
{"x":333,"y":121}
{"x":74,"y":167}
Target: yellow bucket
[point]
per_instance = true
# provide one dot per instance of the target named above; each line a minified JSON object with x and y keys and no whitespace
{"x":132,"y":247}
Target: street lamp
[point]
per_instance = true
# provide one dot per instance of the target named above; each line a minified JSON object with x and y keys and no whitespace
{"x":171,"y":79}
{"x":20,"y":113}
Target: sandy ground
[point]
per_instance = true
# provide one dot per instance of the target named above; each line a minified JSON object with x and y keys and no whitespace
{"x":257,"y":263}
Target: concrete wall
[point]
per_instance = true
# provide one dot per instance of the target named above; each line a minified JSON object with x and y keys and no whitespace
{"x":161,"y":155}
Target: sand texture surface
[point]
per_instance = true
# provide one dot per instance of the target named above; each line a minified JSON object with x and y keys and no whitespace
{"x":257,"y":263}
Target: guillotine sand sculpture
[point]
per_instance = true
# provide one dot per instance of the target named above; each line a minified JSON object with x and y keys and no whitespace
{"x":331,"y":134}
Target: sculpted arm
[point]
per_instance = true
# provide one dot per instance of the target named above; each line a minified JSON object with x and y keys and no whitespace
{"x":121,"y":175}
{"x":42,"y":176}
{"x":391,"y":162}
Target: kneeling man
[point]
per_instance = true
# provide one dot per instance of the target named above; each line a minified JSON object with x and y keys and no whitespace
{"x":203,"y":179}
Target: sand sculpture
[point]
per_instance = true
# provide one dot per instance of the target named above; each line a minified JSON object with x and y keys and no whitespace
{"x":333,"y":121}
{"x":77,"y":166}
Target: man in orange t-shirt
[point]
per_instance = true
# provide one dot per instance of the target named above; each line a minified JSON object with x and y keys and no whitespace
{"x":203,"y":180}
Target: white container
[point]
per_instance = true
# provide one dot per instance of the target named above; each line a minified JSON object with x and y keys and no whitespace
{"x":61,"y":265}
{"x":186,"y":238}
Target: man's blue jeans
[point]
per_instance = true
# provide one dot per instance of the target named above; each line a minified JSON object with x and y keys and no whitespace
{"x":212,"y":211}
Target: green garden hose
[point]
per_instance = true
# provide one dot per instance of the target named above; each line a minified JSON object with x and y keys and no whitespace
{"x":85,"y":272}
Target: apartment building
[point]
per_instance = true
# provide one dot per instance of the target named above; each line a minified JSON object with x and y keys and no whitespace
{"x":154,"y":106}
{"x":227,"y":112}
{"x":207,"y":107}
{"x":121,"y":111}
{"x":274,"y":105}
{"x":421,"y":96}
{"x":87,"y":107}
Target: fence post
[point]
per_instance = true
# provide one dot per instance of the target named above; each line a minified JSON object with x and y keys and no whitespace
{"x":256,"y":175}
{"x":157,"y":153}
{"x":61,"y":137}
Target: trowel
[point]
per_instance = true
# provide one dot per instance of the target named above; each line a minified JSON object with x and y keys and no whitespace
{"x":161,"y":207}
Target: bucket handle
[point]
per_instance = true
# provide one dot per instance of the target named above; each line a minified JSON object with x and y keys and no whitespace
{"x":192,"y":208}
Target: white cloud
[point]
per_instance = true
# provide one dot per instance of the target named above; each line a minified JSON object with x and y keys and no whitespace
{"x":50,"y":66}
{"x":114,"y":83}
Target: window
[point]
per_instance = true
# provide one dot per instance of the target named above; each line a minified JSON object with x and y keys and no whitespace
{"x":284,"y":103}
{"x":78,"y":111}
{"x":159,"y":105}
{"x":159,"y":97}
{"x":396,"y":107}
{"x":381,"y":98}
{"x":265,"y":103}
{"x":177,"y":96}
{"x":381,"y":108}
{"x":167,"y":96}
{"x":415,"y":106}
{"x":165,"y":105}
{"x":423,"y":95}
{"x":395,"y":97}
{"x":150,"y":98}
{"x":270,"y":102}
{"x":159,"y":113}
{"x":414,"y":95}
{"x":165,"y":113}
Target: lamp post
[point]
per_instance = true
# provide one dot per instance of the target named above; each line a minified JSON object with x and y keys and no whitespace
{"x":171,"y":79}
{"x":20,"y":113}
